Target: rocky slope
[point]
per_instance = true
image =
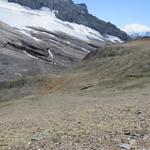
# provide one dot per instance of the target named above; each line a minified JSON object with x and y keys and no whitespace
{"x":37,"y":42}
{"x":42,"y":53}
{"x":78,"y":13}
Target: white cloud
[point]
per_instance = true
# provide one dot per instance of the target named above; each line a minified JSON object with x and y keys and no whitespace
{"x":136,"y":28}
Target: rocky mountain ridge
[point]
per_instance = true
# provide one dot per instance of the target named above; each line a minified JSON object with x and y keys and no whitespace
{"x":67,"y":10}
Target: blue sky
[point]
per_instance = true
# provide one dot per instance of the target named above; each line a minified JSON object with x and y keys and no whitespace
{"x":120,"y":12}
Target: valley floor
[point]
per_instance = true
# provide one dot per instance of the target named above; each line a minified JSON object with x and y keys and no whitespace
{"x":74,"y":122}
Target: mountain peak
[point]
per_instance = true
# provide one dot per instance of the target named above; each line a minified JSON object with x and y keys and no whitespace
{"x":67,"y":10}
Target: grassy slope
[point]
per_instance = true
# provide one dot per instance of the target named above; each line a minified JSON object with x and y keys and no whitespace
{"x":118,"y":67}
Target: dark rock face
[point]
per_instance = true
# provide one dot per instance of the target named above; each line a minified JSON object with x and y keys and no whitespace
{"x":78,"y":13}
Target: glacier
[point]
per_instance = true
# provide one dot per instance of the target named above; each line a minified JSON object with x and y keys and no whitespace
{"x":22,"y":18}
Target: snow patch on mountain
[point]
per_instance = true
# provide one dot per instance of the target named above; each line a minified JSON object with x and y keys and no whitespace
{"x":114,"y":39}
{"x":21,"y":17}
{"x":50,"y":53}
{"x":30,"y":55}
{"x":29,"y":35}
